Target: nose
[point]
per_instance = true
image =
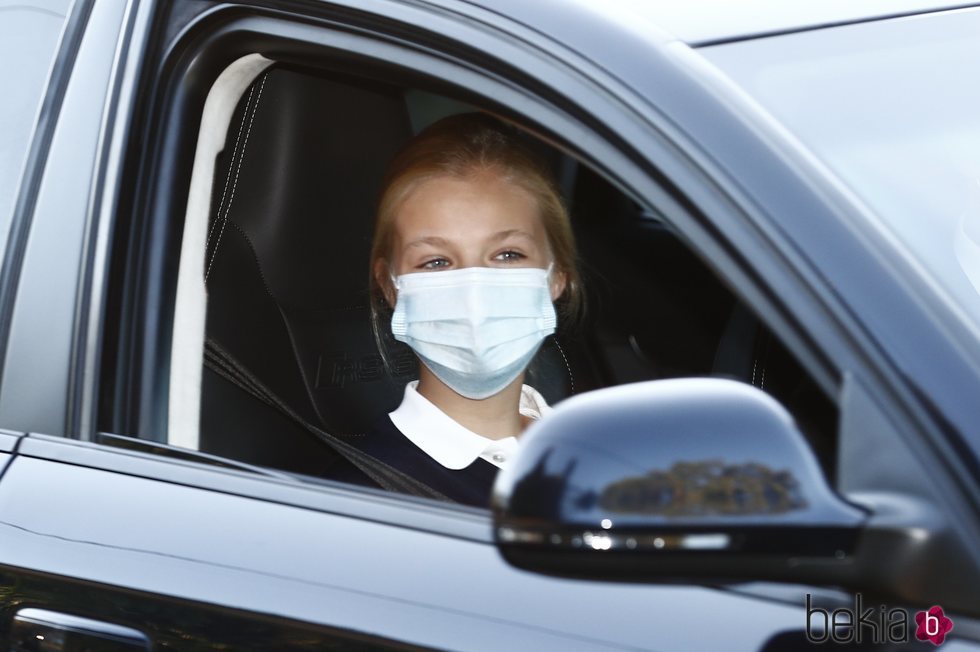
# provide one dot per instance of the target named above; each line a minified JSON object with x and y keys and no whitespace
{"x":471,"y":259}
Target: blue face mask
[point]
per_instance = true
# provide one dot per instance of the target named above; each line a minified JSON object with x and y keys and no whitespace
{"x":475,"y":328}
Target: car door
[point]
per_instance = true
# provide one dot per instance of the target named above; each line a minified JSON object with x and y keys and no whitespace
{"x":113,"y":542}
{"x":217,"y":558}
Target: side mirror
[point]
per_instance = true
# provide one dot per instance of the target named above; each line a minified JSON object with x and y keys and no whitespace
{"x":700,"y":479}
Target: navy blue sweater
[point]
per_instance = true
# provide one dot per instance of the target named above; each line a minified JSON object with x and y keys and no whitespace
{"x":470,"y":486}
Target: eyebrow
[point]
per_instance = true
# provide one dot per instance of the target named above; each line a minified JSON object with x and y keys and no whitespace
{"x":437,"y":241}
{"x":503,"y":235}
{"x":429,"y":240}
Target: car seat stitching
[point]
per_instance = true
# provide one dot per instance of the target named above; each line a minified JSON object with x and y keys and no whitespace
{"x":238,"y":170}
{"x":231,"y":166}
{"x":571,"y":378}
{"x":755,"y":363}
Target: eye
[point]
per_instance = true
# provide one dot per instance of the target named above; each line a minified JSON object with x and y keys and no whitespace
{"x":435,"y":263}
{"x":509,"y":256}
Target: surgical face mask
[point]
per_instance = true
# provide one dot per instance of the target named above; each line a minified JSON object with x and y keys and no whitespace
{"x":475,"y":328}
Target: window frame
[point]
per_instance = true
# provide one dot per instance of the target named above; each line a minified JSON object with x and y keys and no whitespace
{"x":219,"y":36}
{"x":613,"y":158}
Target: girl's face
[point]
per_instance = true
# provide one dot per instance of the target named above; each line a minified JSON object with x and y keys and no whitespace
{"x":481,"y":221}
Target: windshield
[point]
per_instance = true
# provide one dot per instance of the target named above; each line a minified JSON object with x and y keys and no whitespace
{"x":893,"y":107}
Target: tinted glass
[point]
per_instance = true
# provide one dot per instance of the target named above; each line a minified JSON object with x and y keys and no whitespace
{"x":30,"y":31}
{"x":891,"y":107}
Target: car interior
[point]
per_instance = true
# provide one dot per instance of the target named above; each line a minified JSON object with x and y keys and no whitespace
{"x":290,"y":362}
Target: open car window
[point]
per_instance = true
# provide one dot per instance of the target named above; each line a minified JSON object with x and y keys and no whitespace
{"x":273,"y":362}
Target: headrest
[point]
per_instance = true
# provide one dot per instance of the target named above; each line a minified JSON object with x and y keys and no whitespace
{"x":307,"y":190}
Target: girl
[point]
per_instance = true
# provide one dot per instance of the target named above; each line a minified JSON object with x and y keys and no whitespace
{"x":472,"y":247}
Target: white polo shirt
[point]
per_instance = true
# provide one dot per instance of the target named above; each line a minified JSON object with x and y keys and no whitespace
{"x":449,"y":443}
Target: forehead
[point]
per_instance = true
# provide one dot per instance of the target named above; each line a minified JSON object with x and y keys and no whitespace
{"x":467,"y":208}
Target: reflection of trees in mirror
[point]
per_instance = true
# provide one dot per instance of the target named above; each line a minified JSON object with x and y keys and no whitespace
{"x":706,"y":488}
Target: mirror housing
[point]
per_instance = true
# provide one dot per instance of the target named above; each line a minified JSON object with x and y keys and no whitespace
{"x":681,"y":480}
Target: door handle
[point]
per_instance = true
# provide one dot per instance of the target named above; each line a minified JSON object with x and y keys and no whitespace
{"x":40,"y":630}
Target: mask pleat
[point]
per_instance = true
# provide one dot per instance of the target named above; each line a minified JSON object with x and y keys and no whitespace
{"x":478,"y":326}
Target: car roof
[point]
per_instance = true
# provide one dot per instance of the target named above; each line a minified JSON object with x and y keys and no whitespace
{"x":697,"y":22}
{"x":711,"y":21}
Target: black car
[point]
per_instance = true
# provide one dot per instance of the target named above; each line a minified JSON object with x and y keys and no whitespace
{"x":766,"y":428}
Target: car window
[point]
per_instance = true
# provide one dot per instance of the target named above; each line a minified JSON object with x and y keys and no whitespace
{"x":291,"y":365}
{"x":286,"y":373}
{"x":885,"y":106}
{"x":29,"y":35}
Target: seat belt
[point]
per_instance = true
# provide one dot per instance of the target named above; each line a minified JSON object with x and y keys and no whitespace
{"x":223,"y":363}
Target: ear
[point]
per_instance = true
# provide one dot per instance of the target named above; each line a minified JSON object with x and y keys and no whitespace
{"x":382,"y":279}
{"x":559,"y":280}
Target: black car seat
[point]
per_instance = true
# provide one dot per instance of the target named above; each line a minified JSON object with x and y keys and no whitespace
{"x":286,"y":275}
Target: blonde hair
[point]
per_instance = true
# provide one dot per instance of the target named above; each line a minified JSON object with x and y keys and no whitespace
{"x":462,"y":146}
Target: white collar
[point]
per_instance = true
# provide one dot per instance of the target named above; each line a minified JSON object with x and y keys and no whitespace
{"x":449,"y":443}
